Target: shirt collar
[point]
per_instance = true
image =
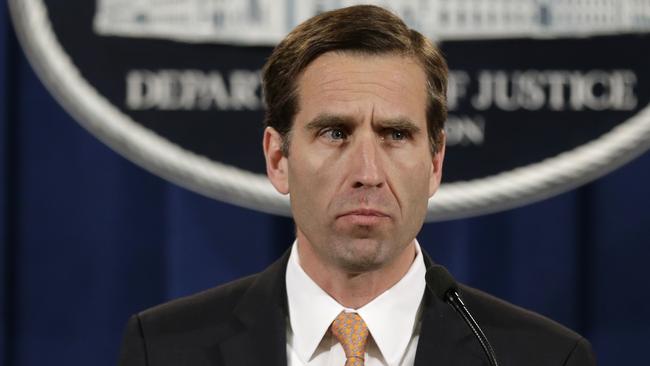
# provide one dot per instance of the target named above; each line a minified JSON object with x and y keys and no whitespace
{"x":312,"y":310}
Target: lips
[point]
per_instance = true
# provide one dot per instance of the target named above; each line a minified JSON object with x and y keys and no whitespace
{"x":364,"y":212}
{"x":364,"y":217}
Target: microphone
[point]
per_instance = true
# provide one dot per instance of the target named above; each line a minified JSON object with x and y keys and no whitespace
{"x":445,"y":288}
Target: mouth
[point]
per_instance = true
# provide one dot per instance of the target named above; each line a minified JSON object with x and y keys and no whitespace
{"x":364,"y":216}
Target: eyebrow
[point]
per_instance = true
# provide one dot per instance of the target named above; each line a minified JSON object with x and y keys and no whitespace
{"x":331,"y":120}
{"x":328,"y":120}
{"x":399,"y":124}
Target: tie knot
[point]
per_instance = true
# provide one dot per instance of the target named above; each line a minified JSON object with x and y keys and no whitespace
{"x":352,"y":332}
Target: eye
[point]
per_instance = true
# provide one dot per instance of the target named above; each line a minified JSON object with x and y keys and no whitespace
{"x":397,"y":135}
{"x":335,"y":134}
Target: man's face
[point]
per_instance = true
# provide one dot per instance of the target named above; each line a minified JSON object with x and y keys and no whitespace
{"x":359,"y":169}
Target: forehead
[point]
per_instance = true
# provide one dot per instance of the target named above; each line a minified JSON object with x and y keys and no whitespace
{"x":391,"y":85}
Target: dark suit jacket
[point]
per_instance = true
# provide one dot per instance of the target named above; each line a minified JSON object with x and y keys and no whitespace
{"x":244,"y":323}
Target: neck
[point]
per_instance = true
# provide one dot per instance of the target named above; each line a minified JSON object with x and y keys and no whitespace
{"x":349,"y":288}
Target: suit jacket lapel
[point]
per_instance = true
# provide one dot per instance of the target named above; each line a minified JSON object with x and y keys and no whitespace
{"x":444,"y":337}
{"x":262,"y":312}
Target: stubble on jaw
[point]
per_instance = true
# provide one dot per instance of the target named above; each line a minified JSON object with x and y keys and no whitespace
{"x":362,"y":253}
{"x":350,"y":279}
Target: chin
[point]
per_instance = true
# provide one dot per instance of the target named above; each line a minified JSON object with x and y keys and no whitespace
{"x":359,"y":265}
{"x":361,"y":255}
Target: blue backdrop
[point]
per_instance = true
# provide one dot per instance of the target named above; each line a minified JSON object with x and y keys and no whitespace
{"x":88,"y":238}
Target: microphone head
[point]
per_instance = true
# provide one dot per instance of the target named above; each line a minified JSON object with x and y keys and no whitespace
{"x":440,"y":281}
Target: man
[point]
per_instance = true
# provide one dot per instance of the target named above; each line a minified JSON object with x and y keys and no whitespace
{"x":355,"y":114}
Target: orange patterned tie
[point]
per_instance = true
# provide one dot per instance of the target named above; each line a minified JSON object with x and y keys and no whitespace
{"x":352,"y":332}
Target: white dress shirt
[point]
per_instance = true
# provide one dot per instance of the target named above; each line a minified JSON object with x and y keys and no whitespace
{"x":392,"y":318}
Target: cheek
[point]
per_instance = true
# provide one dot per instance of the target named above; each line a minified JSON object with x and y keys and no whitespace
{"x":413,"y":178}
{"x":310,"y":181}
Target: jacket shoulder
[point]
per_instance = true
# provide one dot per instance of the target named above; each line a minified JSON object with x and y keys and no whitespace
{"x":515,"y":331}
{"x":497,"y":313}
{"x":184,"y":315}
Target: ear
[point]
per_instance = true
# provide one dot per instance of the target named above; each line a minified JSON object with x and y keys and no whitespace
{"x":276,"y":162}
{"x":436,"y":166}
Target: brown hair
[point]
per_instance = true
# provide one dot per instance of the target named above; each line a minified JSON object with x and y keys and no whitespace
{"x":366,"y":29}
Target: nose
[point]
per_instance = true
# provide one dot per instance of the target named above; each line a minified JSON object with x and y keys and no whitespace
{"x":367,"y":169}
